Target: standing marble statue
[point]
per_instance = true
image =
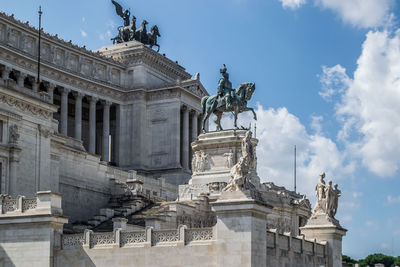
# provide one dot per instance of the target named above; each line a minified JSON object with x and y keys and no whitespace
{"x":327,"y":197}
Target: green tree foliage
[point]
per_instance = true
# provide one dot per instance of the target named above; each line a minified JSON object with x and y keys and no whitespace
{"x":397,"y":261}
{"x":372,"y":259}
{"x":379,"y":258}
{"x":348,"y":260}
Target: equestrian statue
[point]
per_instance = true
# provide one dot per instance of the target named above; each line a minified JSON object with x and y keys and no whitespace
{"x":227,"y":99}
{"x":128,"y":31}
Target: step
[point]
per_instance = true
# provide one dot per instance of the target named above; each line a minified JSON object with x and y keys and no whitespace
{"x":100,"y":218}
{"x":107,"y":212}
{"x":93,"y":222}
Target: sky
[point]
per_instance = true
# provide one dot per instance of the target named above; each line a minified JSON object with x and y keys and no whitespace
{"x":327,"y":75}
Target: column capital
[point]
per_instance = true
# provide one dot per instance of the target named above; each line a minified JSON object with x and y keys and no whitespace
{"x":92,"y":99}
{"x":78,"y":95}
{"x":106,"y":103}
{"x":51,"y":86}
{"x":64,"y":90}
{"x":185,"y":108}
{"x":194,"y":112}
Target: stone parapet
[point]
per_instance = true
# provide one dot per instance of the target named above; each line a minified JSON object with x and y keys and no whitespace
{"x":145,"y":238}
{"x":45,"y":202}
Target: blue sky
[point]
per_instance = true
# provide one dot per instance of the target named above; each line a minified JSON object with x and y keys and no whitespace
{"x":327,"y":80}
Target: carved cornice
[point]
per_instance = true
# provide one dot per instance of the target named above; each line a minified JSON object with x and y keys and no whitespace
{"x":136,"y":53}
{"x":59,"y":74}
{"x":54,"y":38}
{"x":25,"y":106}
{"x":163,"y":94}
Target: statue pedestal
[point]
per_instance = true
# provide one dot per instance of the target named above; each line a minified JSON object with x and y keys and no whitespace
{"x":215,"y":153}
{"x":323,"y":228}
{"x":241,"y":229}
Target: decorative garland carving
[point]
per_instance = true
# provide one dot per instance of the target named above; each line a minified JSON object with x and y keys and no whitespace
{"x":24,"y":106}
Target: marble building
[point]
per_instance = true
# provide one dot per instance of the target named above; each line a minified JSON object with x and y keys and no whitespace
{"x":104,"y":164}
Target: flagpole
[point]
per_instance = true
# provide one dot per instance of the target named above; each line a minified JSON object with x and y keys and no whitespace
{"x":38,"y":68}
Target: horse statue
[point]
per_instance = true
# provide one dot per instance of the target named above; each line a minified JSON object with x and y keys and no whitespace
{"x":125,"y":33}
{"x":141,"y":33}
{"x":217,"y":104}
{"x":152,"y":37}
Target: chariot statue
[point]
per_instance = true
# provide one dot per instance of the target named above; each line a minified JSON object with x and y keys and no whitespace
{"x":128,"y":31}
{"x":227,"y":99}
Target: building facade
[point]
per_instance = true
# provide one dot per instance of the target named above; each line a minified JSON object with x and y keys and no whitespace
{"x":92,"y":157}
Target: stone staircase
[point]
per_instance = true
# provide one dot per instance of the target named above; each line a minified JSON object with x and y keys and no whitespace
{"x":124,"y":210}
{"x":126,"y":200}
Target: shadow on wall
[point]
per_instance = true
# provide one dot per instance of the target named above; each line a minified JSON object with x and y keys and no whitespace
{"x":5,"y":259}
{"x":76,"y":257}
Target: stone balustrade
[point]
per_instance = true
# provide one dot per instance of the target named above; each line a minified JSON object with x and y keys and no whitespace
{"x":284,"y":246}
{"x":148,"y":237}
{"x":45,"y":201}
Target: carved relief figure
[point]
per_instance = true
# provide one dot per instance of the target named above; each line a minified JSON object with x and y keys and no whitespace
{"x":195,"y":161}
{"x":203,"y":163}
{"x":13,"y":134}
{"x":229,"y":159}
{"x":200,"y":162}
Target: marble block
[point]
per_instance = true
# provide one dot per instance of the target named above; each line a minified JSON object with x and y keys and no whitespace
{"x":215,"y":153}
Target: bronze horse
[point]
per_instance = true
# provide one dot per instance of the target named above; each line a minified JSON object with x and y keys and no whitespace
{"x":215,"y":104}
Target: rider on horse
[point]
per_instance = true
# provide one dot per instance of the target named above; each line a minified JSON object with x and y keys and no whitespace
{"x":225,"y":90}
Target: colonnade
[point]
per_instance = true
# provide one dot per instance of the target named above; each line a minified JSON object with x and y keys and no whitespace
{"x":189,"y":127}
{"x":93,"y":100}
{"x":190,"y":131}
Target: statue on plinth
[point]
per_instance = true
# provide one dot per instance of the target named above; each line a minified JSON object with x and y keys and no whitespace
{"x":240,"y":178}
{"x":128,"y":31}
{"x":327,"y":200}
{"x":227,"y":100}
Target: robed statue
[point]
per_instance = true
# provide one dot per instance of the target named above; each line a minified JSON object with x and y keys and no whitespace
{"x":128,"y":31}
{"x":227,"y":99}
{"x":327,"y":197}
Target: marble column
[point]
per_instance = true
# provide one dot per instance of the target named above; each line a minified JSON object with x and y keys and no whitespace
{"x":117,"y":144}
{"x":50,"y":91}
{"x":92,"y":124}
{"x":105,"y":152}
{"x":185,"y":139}
{"x":13,"y":170}
{"x":64,"y":111}
{"x":21,"y":79}
{"x":6,"y":72}
{"x":194,"y":126}
{"x":78,"y":114}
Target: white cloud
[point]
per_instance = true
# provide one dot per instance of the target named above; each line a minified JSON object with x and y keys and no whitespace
{"x":334,"y":81}
{"x":316,"y":123}
{"x":278,"y":131}
{"x":360,"y":13}
{"x":392,"y":200}
{"x":83,"y":33}
{"x":292,"y":4}
{"x":369,"y":107}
